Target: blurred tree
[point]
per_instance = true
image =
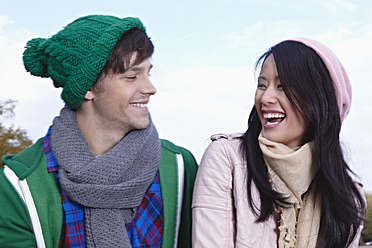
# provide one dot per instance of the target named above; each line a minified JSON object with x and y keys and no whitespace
{"x":12,"y":140}
{"x":367,"y":231}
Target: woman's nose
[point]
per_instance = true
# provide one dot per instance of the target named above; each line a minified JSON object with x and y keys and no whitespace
{"x":269,"y":96}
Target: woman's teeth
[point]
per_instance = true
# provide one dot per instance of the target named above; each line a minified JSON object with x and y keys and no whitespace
{"x":273,"y":115}
{"x":273,"y":118}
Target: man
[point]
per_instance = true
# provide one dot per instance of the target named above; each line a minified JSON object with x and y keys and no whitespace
{"x":101,"y":177}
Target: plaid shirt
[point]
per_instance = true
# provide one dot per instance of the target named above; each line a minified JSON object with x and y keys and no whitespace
{"x":145,"y":230}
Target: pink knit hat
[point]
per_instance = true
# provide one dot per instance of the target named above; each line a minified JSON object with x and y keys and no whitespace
{"x":336,"y":70}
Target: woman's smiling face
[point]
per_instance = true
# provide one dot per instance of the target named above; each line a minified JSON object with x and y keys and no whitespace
{"x":280,"y":120}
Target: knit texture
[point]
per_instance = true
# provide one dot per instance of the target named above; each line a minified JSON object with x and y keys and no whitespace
{"x":73,"y":57}
{"x":291,"y":173}
{"x":110,"y":186}
{"x":338,"y":74}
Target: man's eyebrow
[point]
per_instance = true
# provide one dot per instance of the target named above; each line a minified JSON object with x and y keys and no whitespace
{"x":137,"y":68}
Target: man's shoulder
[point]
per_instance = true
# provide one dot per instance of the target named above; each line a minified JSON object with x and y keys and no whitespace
{"x":25,"y":162}
{"x":174,"y":148}
{"x":170,"y":146}
{"x":188,"y":157}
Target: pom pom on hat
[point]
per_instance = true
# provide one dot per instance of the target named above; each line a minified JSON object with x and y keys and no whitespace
{"x":33,"y":58}
{"x":74,"y":56}
{"x":338,"y":74}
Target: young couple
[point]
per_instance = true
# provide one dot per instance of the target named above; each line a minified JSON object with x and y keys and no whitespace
{"x":102,"y":177}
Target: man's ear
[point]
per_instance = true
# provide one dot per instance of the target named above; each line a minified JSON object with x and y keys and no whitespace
{"x":89,"y":95}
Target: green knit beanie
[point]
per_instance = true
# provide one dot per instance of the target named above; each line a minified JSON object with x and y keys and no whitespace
{"x":74,"y":56}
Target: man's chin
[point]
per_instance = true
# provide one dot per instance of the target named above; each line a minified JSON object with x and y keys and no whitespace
{"x":143,"y":125}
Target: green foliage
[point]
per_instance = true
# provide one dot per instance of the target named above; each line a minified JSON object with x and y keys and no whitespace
{"x":6,"y":108}
{"x":367,"y":231}
{"x":12,"y":140}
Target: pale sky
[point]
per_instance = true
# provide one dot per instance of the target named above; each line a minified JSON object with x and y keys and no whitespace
{"x":203,"y":61}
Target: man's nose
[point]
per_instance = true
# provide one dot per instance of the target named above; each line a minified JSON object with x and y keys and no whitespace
{"x":148,"y":87}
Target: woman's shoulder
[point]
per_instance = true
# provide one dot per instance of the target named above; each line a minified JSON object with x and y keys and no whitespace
{"x":229,"y":137}
{"x":225,"y":147}
{"x":228,"y":142}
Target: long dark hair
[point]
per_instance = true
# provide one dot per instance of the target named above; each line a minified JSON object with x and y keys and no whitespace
{"x":309,"y":87}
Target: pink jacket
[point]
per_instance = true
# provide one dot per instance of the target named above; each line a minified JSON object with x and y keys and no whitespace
{"x":222,"y":216}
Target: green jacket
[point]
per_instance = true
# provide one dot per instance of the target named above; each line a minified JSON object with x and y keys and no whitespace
{"x":30,"y":203}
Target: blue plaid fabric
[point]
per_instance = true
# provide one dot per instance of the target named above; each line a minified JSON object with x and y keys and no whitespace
{"x":145,"y":230}
{"x":72,"y":234}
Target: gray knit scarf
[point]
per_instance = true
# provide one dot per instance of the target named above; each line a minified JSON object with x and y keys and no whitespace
{"x":111,"y":186}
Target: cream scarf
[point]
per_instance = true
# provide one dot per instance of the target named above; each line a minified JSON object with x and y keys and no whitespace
{"x":291,"y":172}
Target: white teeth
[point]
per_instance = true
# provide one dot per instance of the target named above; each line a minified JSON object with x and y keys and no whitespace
{"x":140,"y":105}
{"x":273,"y":115}
{"x":271,"y":123}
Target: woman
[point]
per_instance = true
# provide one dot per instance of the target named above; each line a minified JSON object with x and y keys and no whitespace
{"x":284,"y":182}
